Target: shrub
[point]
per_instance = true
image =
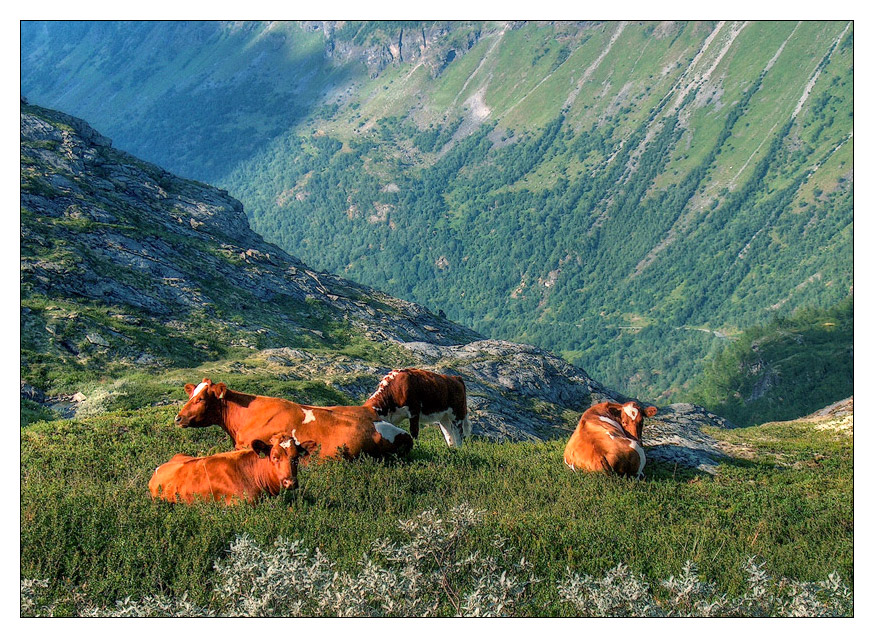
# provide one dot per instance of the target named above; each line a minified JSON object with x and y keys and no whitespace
{"x":428,"y":574}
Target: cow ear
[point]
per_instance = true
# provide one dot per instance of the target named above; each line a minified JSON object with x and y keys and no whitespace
{"x":307,"y":447}
{"x":189,"y":388}
{"x":219,"y":390}
{"x":651,"y":411}
{"x":261,"y":447}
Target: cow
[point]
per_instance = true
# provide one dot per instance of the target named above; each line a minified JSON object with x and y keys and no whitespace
{"x":608,"y":439}
{"x":420,"y":395}
{"x":232,"y":477}
{"x":340,"y":431}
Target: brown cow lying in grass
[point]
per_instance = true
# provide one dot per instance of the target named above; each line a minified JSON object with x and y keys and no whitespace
{"x":241,"y":475}
{"x":340,"y":431}
{"x":608,"y":439}
{"x":427,"y":396}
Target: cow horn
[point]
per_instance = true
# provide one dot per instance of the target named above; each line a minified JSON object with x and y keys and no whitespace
{"x":293,"y":436}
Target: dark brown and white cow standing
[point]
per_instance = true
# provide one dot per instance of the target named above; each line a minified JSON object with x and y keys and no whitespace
{"x":608,"y":439}
{"x":423,"y":396}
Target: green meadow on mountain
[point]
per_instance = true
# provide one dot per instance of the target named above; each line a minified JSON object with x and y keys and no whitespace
{"x":631,"y":195}
{"x":562,"y":213}
{"x":135,"y":281}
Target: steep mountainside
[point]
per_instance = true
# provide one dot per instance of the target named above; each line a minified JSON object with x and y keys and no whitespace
{"x":628,"y":194}
{"x":134,"y":281}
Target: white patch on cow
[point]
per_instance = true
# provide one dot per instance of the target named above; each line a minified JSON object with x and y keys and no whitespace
{"x":446,"y":416}
{"x":397,"y":416}
{"x":631,"y":411}
{"x":286,"y":444}
{"x":618,"y":431}
{"x":640,"y":453}
{"x":446,"y":420}
{"x":452,"y":434}
{"x":199,"y":389}
{"x":466,"y":428}
{"x":385,"y":381}
{"x":387,"y":430}
{"x":308,"y":416}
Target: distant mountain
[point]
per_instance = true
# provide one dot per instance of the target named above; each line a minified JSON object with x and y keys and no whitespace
{"x":135,"y":281}
{"x":629,"y":194}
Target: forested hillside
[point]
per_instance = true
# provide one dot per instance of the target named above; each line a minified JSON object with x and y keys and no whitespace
{"x":791,"y":366}
{"x":628,"y":194}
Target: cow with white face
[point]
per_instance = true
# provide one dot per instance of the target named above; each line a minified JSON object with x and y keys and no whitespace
{"x":340,"y":431}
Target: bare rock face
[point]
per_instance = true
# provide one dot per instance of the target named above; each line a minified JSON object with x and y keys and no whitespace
{"x":838,"y":409}
{"x":674,"y":436}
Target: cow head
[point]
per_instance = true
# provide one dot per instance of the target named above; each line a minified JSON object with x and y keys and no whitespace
{"x":284,"y":453}
{"x":452,"y":432}
{"x":632,"y":414}
{"x":204,"y":405}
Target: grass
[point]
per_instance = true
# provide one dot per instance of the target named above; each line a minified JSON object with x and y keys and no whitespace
{"x":89,"y":527}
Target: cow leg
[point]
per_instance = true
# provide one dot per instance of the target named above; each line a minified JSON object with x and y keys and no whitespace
{"x":414,"y":425}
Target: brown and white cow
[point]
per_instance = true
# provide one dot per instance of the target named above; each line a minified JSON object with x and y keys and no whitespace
{"x":232,"y":477}
{"x":340,"y":431}
{"x":608,"y":439}
{"x":420,"y":395}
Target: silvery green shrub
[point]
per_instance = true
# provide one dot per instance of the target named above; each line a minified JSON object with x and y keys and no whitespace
{"x":429,"y":573}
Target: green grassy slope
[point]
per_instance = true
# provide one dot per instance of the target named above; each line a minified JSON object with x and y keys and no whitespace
{"x":134,"y":282}
{"x":701,"y":206}
{"x":622,"y":193}
{"x":90,"y":529}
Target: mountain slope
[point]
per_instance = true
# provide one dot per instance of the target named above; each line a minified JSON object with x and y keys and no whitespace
{"x":627,"y":194}
{"x":778,"y":371}
{"x":134,"y":282}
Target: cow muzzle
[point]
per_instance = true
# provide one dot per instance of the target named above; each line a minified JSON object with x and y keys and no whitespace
{"x":181,"y":421}
{"x":289,"y":484}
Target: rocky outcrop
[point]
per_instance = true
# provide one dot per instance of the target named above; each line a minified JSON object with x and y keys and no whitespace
{"x":838,"y":409}
{"x":517,"y":392}
{"x":100,"y":226}
{"x":426,"y":44}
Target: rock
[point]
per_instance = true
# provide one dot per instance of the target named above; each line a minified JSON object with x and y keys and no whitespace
{"x":32,"y":393}
{"x":96,"y":339}
{"x":78,"y":397}
{"x":838,"y":409}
